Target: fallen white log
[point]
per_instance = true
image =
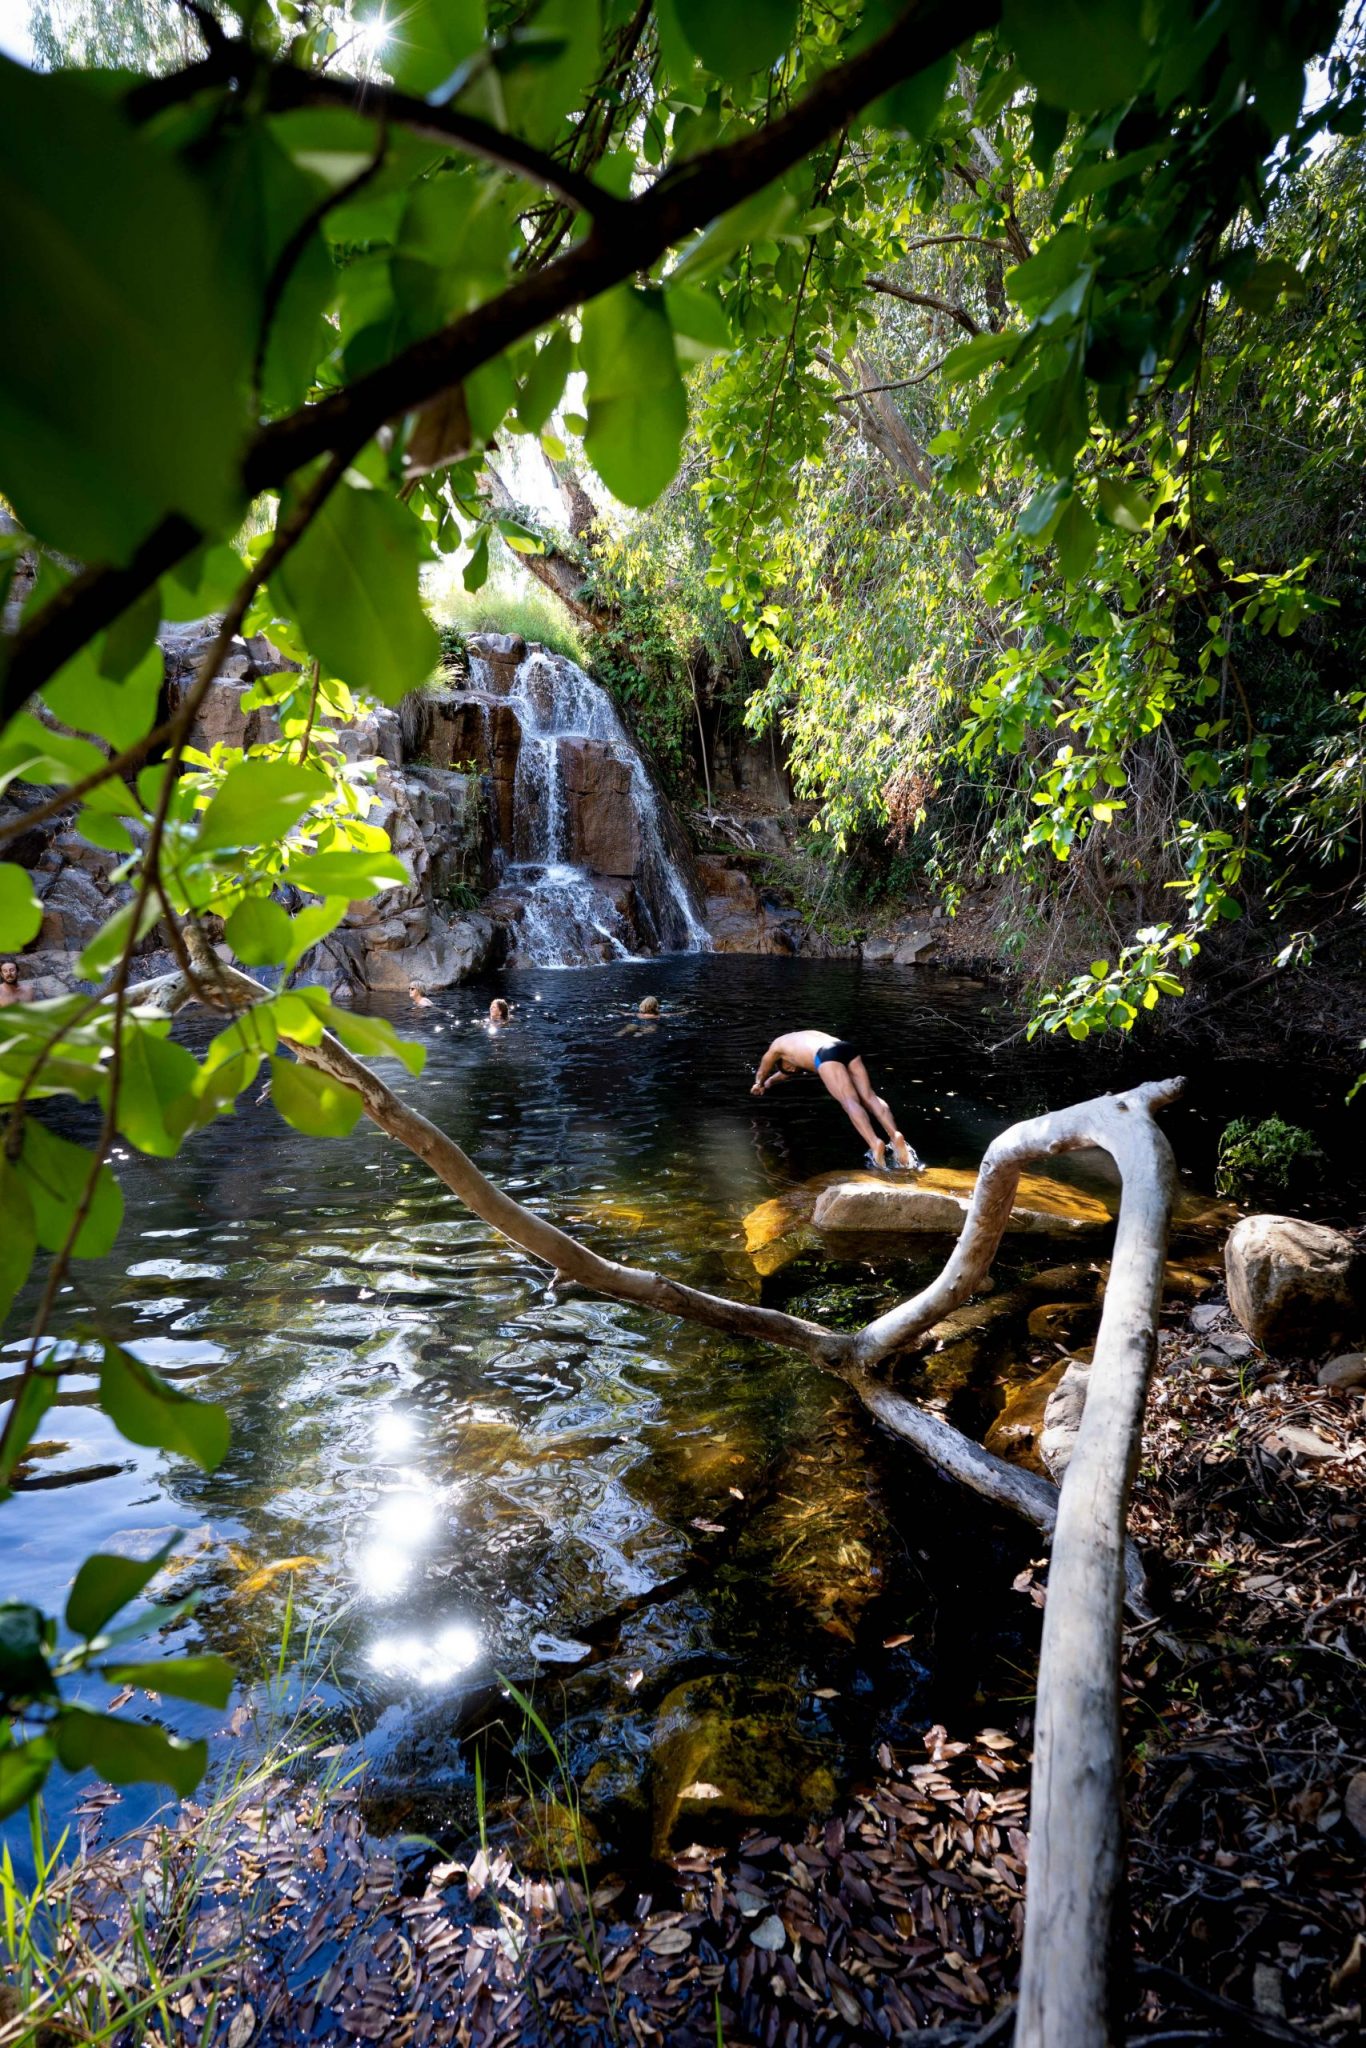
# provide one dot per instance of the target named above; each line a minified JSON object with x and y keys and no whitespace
{"x":1076,"y":1842}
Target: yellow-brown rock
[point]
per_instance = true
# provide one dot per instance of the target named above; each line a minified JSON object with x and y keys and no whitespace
{"x":937,"y":1200}
{"x":1015,"y":1432}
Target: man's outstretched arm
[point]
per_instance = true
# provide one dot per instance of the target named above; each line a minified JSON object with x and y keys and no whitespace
{"x":765,"y":1074}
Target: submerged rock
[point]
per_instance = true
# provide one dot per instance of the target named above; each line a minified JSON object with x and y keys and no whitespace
{"x":1296,"y":1288}
{"x":1016,"y":1431}
{"x":727,"y":1751}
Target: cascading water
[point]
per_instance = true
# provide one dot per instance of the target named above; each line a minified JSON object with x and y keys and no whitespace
{"x":590,"y":858}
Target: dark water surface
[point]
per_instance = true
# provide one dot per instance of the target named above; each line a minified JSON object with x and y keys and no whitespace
{"x":483,"y":1480}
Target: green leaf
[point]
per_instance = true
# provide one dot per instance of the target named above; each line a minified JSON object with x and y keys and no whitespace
{"x":105,"y":1583}
{"x":312,"y":923}
{"x":637,"y":408}
{"x":129,"y":1752}
{"x":107,"y":947}
{"x":1075,"y":535}
{"x":298,"y":1018}
{"x":1124,"y":505}
{"x":700,"y":323}
{"x":259,"y":932}
{"x":18,"y":1238}
{"x":209,"y":1680}
{"x":21,"y":914}
{"x":258,"y":801}
{"x":915,"y":104}
{"x":110,"y":833}
{"x":1083,"y":54}
{"x":148,"y":1410}
{"x":1041,"y":277}
{"x":204,"y":583}
{"x":37,"y":1392}
{"x":154,"y":1072}
{"x":97,"y":444}
{"x":254,"y":1034}
{"x":734,"y":41}
{"x":120,"y":712}
{"x":351,"y":584}
{"x":548,"y":67}
{"x":24,"y":1672}
{"x":375,"y":1035}
{"x":543,"y":385}
{"x":23,"y":1767}
{"x":477,"y":567}
{"x":314,"y":1103}
{"x":1264,"y":285}
{"x":55,"y":1173}
{"x":1042,"y":512}
{"x":428,"y":40}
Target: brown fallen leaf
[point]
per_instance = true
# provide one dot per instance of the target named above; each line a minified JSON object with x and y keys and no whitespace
{"x":895,"y":1642}
{"x":670,"y":1941}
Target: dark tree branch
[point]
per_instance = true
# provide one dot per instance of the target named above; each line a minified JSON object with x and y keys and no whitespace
{"x":930,"y":300}
{"x":288,"y":89}
{"x":640,"y":231}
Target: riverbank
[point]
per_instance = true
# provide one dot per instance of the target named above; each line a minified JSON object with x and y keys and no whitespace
{"x":901,"y":1909}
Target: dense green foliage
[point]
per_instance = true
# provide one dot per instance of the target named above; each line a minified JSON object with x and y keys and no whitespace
{"x":1074,"y":601}
{"x":265,"y":287}
{"x":1266,"y":1158}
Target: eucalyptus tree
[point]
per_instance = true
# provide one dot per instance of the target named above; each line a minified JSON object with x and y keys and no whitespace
{"x":311,"y":273}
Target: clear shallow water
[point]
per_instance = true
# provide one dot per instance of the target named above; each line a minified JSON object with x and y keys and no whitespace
{"x":480,"y":1479}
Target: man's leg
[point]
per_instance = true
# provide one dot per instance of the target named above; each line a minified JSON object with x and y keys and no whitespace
{"x":836,"y":1077}
{"x":858,"y":1073}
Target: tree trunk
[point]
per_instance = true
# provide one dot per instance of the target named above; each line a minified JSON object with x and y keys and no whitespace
{"x":562,"y":573}
{"x":1076,"y":1842}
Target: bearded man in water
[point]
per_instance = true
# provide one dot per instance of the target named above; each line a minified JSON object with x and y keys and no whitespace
{"x":840,"y":1066}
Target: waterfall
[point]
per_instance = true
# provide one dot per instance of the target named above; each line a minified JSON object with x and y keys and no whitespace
{"x":590,"y":860}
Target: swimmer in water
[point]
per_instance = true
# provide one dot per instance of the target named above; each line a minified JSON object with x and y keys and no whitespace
{"x":840,"y":1066}
{"x":650,"y":1012}
{"x":415,"y":995}
{"x":12,"y":989}
{"x":499,"y":1010}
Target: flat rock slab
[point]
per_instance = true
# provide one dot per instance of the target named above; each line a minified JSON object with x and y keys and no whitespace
{"x":936,"y":1203}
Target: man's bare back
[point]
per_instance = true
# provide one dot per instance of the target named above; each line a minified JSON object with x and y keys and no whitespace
{"x":838,"y":1064}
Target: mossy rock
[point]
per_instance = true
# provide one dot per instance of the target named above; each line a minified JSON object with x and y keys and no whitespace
{"x":727,"y":1752}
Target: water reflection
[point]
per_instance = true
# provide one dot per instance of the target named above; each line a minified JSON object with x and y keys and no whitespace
{"x":427,"y":1661}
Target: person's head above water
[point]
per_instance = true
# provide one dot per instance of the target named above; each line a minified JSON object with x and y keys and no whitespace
{"x":9,"y":970}
{"x":649,"y":1006}
{"x":499,"y":1010}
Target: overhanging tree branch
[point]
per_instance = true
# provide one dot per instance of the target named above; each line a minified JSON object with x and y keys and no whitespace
{"x":930,"y":300}
{"x":686,"y":198}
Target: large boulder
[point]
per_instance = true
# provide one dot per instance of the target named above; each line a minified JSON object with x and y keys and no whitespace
{"x":1297,"y":1288}
{"x":937,"y":1201}
{"x":447,"y":955}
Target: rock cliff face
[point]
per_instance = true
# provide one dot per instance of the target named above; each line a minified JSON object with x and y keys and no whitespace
{"x":528,"y":822}
{"x":520,"y":808}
